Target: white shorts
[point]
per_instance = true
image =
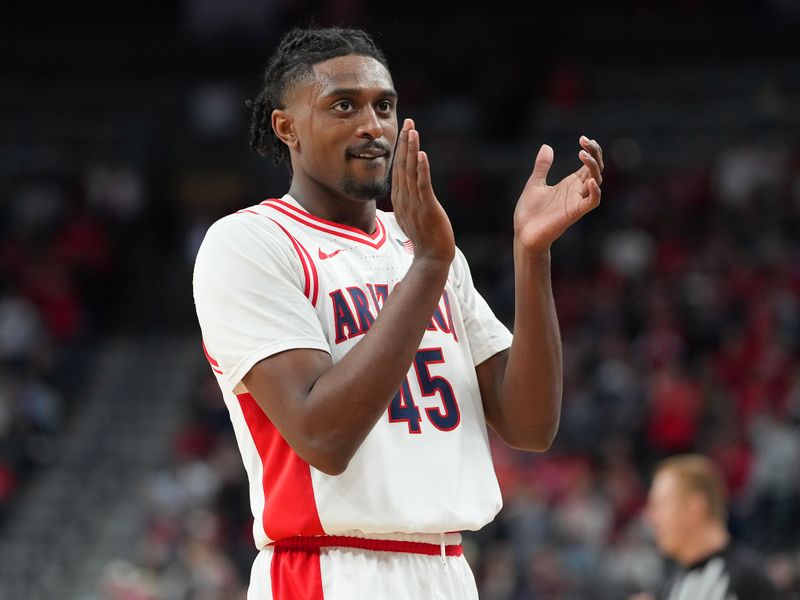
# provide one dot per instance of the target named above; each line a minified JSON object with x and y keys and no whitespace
{"x":352,"y":568}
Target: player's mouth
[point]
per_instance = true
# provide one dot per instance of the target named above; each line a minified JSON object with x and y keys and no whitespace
{"x":370,"y":153}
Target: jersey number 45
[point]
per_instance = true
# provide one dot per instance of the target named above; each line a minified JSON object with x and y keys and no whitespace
{"x":404,"y":409}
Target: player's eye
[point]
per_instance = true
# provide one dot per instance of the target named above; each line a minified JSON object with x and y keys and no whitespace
{"x":385,"y":106}
{"x":344,"y":106}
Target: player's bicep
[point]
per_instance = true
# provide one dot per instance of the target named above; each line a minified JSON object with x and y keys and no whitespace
{"x":280,"y":384}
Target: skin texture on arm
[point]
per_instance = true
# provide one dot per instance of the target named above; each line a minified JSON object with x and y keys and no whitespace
{"x":521,"y":387}
{"x":324,"y":411}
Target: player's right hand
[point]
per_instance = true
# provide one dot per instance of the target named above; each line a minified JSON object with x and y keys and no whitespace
{"x":416,"y":208}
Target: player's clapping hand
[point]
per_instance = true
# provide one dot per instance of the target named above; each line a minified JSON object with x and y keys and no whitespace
{"x":544,"y":211}
{"x":416,"y":208}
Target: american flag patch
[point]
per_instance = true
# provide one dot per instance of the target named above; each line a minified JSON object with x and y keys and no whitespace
{"x":407,"y":245}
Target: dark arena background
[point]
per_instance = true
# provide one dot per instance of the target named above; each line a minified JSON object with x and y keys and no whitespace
{"x":123,"y":137}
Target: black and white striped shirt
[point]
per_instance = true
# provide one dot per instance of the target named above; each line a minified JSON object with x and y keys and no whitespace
{"x":733,"y":573}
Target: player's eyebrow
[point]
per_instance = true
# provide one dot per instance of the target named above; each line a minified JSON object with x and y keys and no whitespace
{"x":384,"y":93}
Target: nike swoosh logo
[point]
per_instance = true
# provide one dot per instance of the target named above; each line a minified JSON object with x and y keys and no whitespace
{"x":324,"y":255}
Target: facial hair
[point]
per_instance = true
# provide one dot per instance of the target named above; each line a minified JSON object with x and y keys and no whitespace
{"x":365,"y":189}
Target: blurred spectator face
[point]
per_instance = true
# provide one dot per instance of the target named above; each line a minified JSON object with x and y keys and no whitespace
{"x":672,"y":512}
{"x":342,"y":126}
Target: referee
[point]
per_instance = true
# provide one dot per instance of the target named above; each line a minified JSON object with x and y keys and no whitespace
{"x":687,"y":511}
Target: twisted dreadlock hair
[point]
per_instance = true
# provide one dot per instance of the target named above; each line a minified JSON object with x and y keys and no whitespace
{"x":297,"y":53}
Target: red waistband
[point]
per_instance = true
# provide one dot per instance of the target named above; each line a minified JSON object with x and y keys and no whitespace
{"x":313,"y":542}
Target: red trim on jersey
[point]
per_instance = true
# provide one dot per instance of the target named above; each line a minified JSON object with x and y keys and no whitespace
{"x":311,"y":286}
{"x":314,"y":275}
{"x":345,"y":541}
{"x":245,"y":210}
{"x":289,"y":505}
{"x":304,"y":213}
{"x":296,"y":575}
{"x":214,"y":364}
{"x":374,"y":240}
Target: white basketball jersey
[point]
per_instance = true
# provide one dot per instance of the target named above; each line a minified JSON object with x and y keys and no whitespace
{"x":273,"y":277}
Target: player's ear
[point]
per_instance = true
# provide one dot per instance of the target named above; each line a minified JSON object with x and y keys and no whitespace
{"x":283,"y":126}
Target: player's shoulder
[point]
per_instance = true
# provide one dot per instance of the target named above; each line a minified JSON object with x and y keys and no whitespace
{"x":254,"y":219}
{"x":249,"y":231}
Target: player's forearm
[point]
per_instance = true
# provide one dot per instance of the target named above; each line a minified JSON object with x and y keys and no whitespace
{"x":529,"y":398}
{"x":345,"y":402}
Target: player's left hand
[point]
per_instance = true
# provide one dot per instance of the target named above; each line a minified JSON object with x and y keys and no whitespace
{"x":544,"y":211}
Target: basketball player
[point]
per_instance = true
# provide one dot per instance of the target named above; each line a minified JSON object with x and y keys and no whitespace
{"x":359,"y":364}
{"x":687,"y":511}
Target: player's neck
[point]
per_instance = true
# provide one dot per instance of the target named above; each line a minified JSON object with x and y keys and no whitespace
{"x":327,"y":204}
{"x":703,"y":542}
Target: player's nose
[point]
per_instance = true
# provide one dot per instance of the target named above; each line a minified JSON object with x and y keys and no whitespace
{"x":370,"y":125}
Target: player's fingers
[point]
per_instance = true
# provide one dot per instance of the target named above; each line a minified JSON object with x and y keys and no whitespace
{"x":396,"y":167}
{"x":593,"y":148}
{"x":590,"y":168}
{"x":544,"y":160}
{"x":591,"y":201}
{"x":424,"y":185}
{"x":411,"y":162}
{"x":399,"y":187}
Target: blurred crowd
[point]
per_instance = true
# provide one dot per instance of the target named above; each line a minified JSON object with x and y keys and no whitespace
{"x":59,"y":260}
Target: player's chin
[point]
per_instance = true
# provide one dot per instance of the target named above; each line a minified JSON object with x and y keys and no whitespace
{"x":366,"y":186}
